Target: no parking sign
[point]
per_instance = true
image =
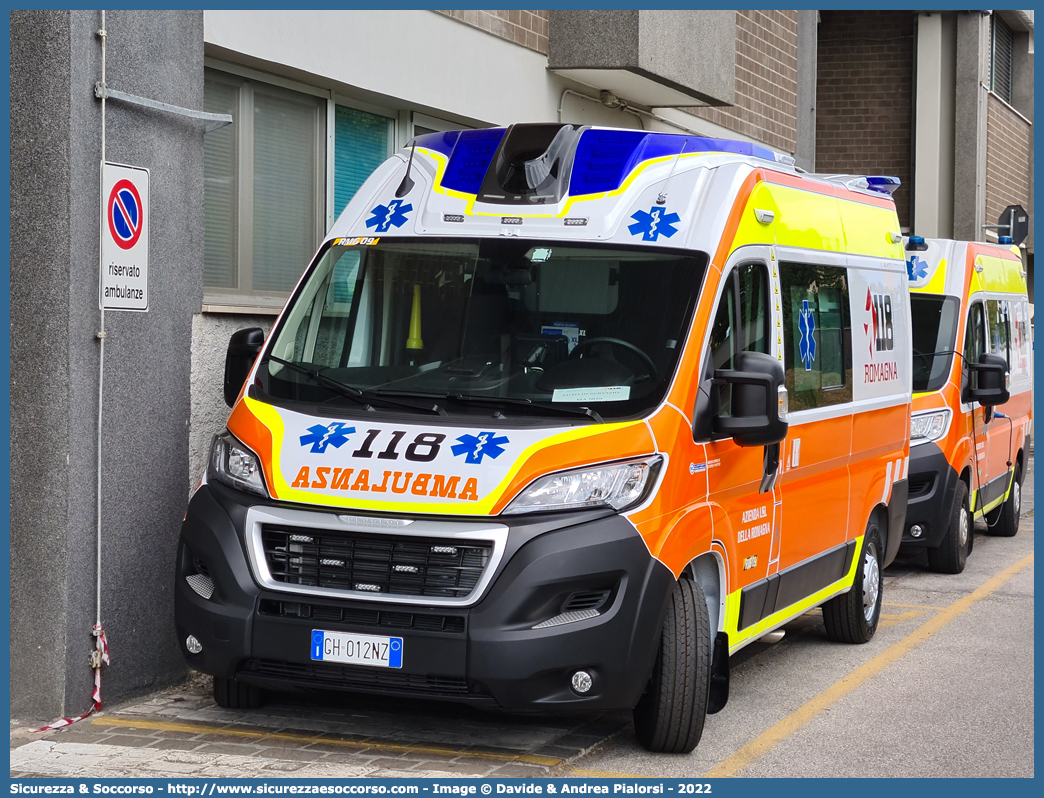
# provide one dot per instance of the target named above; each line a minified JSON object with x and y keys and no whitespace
{"x":125,"y":238}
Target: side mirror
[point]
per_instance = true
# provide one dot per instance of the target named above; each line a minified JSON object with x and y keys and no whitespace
{"x":243,"y":348}
{"x":988,"y":383}
{"x":758,"y":401}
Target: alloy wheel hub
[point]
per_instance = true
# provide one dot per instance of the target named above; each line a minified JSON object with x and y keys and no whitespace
{"x":871,"y":583}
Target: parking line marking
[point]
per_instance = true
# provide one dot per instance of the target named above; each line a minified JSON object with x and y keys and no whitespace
{"x":911,"y":606}
{"x":196,"y":728}
{"x":888,"y":619}
{"x":803,"y":715}
{"x":607,"y":774}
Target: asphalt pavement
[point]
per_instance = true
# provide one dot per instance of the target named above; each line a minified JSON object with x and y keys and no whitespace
{"x":945,"y":689}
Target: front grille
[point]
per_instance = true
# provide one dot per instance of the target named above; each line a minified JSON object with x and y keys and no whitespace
{"x":921,"y":485}
{"x":400,"y":565}
{"x":425,"y":622}
{"x":322,"y":674}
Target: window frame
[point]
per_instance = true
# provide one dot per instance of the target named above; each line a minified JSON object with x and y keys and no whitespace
{"x":1003,"y":56}
{"x":731,"y":294}
{"x":223,"y":300}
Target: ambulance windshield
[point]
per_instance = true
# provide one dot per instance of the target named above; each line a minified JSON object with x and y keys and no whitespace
{"x":505,"y":327}
{"x":934,"y":332}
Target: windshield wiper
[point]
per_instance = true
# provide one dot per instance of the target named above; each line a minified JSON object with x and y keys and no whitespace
{"x":360,"y":396}
{"x":517,"y":402}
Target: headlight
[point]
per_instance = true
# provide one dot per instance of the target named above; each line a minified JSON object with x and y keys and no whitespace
{"x":931,"y":426}
{"x":235,"y":465}
{"x":617,"y":485}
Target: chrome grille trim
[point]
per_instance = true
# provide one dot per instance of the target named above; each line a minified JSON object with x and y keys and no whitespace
{"x":447,"y":530}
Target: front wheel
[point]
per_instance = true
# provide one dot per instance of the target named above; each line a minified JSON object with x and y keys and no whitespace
{"x":1008,"y":523}
{"x":852,"y":617}
{"x":670,"y":714}
{"x":951,"y":555}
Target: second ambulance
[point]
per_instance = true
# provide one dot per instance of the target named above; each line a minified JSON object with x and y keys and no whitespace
{"x":973,"y":395}
{"x":559,"y":418}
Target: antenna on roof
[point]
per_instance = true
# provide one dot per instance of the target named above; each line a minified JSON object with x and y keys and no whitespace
{"x":407,"y":181}
{"x":661,"y":199}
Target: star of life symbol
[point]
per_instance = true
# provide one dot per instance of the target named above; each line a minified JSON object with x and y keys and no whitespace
{"x":387,"y":216}
{"x":322,"y":436}
{"x":916,"y":269}
{"x":478,"y":446}
{"x":654,"y":223}
{"x":807,"y":326}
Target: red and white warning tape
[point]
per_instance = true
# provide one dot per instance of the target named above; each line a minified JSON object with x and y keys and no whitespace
{"x":99,"y":657}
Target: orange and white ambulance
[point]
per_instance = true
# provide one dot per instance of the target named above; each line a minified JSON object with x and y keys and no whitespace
{"x":973,"y":395}
{"x":559,"y":418}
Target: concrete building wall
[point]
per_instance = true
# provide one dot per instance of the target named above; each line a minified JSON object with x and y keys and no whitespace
{"x":808,"y":57}
{"x":969,"y":168}
{"x":56,"y":151}
{"x":864,"y":96}
{"x":1008,"y":138}
{"x":766,"y":80}
{"x":935,"y":95}
{"x":39,"y":361}
{"x":527,"y":28}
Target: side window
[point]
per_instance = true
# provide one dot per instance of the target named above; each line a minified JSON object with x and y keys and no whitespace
{"x":1020,"y":337}
{"x":997,"y":325}
{"x":818,"y":353}
{"x":975,"y":334}
{"x":741,"y":323}
{"x":974,"y":342}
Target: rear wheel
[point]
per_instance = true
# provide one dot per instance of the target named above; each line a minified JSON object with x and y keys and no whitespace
{"x":230,"y":694}
{"x":1007,"y":524}
{"x":852,"y":617}
{"x":670,"y":714}
{"x":951,"y":555}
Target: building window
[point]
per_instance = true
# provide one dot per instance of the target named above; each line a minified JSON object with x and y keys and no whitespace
{"x":1001,"y":49}
{"x":362,"y":142}
{"x":264,"y":189}
{"x":279,"y":175}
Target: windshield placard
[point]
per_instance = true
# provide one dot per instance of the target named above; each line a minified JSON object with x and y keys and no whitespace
{"x":607,"y":393}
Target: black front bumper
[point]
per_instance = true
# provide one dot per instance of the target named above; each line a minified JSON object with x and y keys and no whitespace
{"x":487,"y":653}
{"x":933,"y":483}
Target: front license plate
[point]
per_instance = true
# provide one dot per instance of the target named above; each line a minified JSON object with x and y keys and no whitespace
{"x":374,"y":650}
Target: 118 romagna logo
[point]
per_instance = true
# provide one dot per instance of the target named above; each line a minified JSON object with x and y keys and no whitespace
{"x":880,"y":306}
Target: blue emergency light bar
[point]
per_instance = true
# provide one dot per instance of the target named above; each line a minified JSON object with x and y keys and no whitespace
{"x":602,"y":159}
{"x":883,"y":184}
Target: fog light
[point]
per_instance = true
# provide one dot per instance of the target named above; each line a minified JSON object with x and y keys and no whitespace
{"x":916,"y":531}
{"x":193,"y":645}
{"x":582,"y":681}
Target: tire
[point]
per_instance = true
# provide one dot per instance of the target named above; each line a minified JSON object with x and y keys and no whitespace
{"x":852,"y":617}
{"x":951,"y":555}
{"x":1007,"y":525}
{"x":230,"y":694}
{"x":670,"y":714}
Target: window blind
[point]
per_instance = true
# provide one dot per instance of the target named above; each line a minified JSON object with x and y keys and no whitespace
{"x":360,"y":146}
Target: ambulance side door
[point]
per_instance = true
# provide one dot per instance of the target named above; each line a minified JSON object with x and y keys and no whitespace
{"x":743,"y":321}
{"x":974,"y":348}
{"x":815,"y":459}
{"x":1000,"y":437}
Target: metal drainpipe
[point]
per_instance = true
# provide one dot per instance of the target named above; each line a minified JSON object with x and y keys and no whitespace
{"x":101,"y":347}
